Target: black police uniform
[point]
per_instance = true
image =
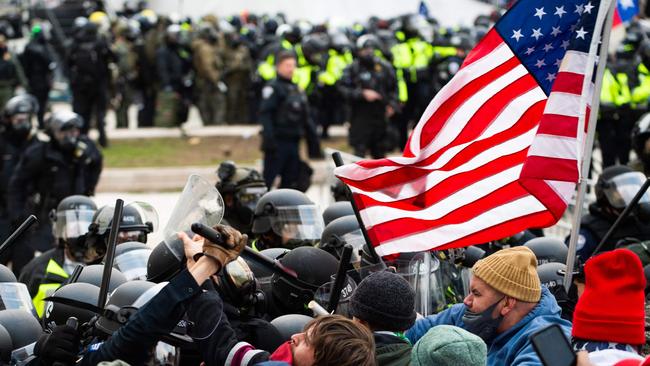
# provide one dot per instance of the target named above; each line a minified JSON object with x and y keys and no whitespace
{"x":37,"y":66}
{"x":11,"y":149}
{"x":368,"y":119}
{"x":174,"y":70}
{"x":89,"y":80}
{"x":284,"y":115}
{"x":43,"y":177}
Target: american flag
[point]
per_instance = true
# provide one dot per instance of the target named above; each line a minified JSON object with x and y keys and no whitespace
{"x":498,"y":149}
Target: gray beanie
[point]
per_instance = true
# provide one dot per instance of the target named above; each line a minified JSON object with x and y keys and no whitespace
{"x":386,"y":301}
{"x":449,"y":345}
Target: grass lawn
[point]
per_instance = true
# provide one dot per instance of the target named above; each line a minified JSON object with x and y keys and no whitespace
{"x":193,"y":151}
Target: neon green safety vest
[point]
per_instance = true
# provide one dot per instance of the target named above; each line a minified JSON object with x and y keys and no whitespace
{"x":615,"y":90}
{"x":266,"y":69}
{"x":47,"y":289}
{"x":641,"y":93}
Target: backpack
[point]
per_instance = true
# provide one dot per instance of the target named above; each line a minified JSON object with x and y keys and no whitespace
{"x":85,"y":64}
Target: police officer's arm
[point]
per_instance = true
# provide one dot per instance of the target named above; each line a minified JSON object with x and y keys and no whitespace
{"x":94,"y":166}
{"x":346,"y":85}
{"x":159,"y":316}
{"x":29,"y":166}
{"x":271,"y":100}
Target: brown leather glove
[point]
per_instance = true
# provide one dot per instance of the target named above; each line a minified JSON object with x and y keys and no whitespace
{"x":234,"y":243}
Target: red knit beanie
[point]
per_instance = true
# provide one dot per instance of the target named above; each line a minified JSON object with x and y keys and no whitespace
{"x":611,"y":309}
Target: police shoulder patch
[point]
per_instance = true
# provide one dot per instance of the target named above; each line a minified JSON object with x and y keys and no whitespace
{"x":267,"y":91}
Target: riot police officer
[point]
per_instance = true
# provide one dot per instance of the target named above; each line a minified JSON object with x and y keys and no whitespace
{"x":640,"y":145}
{"x":38,"y":65}
{"x":286,"y":218}
{"x":47,"y":272}
{"x":16,"y":134}
{"x":369,"y":85}
{"x":284,"y":116}
{"x":241,"y":189}
{"x":615,"y":188}
{"x":68,"y":164}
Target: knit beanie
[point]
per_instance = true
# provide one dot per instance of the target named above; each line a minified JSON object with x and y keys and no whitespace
{"x":612,"y":307}
{"x":513,"y":272}
{"x":449,"y":345}
{"x":386,"y":301}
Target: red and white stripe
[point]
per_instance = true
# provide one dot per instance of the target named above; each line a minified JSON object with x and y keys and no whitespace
{"x":491,"y":156}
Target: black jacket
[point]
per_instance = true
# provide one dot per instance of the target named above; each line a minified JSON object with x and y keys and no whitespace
{"x":33,"y":274}
{"x":284,"y":111}
{"x":11,"y":151}
{"x":36,"y":63}
{"x":45,"y":175}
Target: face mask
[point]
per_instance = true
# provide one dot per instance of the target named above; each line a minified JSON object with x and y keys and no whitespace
{"x":283,"y":353}
{"x":21,"y":130}
{"x":367,"y":60}
{"x":482,"y":324}
{"x":68,"y":144}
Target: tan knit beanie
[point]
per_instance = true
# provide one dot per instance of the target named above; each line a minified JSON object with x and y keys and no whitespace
{"x":513,"y":272}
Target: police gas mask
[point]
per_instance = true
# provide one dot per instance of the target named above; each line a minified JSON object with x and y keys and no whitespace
{"x":67,"y":139}
{"x":20,"y":125}
{"x":483,"y":324}
{"x":246,"y":201}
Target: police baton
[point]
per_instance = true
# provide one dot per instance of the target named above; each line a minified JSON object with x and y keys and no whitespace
{"x":13,"y":238}
{"x":623,"y":216}
{"x":339,"y":281}
{"x":110,"y":253}
{"x":248,"y":253}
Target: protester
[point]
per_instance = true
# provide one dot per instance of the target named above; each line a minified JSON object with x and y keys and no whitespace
{"x":506,"y":304}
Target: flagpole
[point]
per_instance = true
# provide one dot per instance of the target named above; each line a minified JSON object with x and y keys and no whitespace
{"x":589,"y":142}
{"x":338,"y":161}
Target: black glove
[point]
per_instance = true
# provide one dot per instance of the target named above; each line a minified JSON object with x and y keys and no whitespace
{"x":62,"y":345}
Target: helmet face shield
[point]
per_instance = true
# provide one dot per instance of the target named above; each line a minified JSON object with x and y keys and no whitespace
{"x":303,"y":222}
{"x":14,"y":295}
{"x":133,"y":264}
{"x":622,"y":188}
{"x":249,"y":196}
{"x":72,"y":223}
{"x":239,"y":274}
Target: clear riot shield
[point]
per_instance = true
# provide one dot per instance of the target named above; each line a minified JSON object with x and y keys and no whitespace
{"x":423,"y":272}
{"x":199,"y":202}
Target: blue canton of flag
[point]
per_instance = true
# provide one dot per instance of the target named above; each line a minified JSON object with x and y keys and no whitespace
{"x":627,"y":9}
{"x":540,"y":33}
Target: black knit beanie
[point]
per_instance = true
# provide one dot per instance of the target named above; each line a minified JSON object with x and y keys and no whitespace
{"x":385,"y":301}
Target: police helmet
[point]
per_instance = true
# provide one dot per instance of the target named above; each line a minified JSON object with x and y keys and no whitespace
{"x":138,"y":220}
{"x":22,"y":325}
{"x":289,"y":32}
{"x":163,"y":263}
{"x":368,"y":41}
{"x":617,"y":185}
{"x":94,"y":273}
{"x":77,"y":300}
{"x":289,"y":214}
{"x":173,"y":33}
{"x":313,"y":266}
{"x":270,"y":26}
{"x":290,"y":324}
{"x":548,"y":250}
{"x":6,"y":275}
{"x":119,"y":305}
{"x":246,"y":184}
{"x":71,"y":221}
{"x":342,"y":231}
{"x":340,"y":42}
{"x":314,"y":46}
{"x":60,"y":121}
{"x":21,"y":104}
{"x":551,"y":274}
{"x":208,"y":32}
{"x":336,"y":210}
{"x":262,"y":272}
{"x":6,"y":345}
{"x":126,"y":300}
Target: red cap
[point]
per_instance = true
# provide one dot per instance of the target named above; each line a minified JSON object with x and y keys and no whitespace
{"x":633,"y":362}
{"x":612,"y":307}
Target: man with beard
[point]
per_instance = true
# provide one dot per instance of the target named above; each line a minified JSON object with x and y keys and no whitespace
{"x":506,"y":304}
